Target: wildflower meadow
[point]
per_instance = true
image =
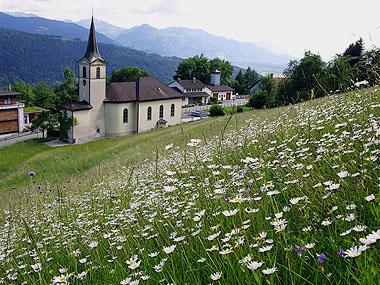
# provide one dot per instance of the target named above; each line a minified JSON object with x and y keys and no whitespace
{"x":291,"y":199}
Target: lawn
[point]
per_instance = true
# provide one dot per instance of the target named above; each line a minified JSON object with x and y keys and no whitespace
{"x":281,"y":196}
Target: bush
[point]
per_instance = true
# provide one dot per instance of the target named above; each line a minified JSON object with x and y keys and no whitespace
{"x":212,"y":100}
{"x":216,"y":110}
{"x":239,"y":109}
{"x":258,"y":100}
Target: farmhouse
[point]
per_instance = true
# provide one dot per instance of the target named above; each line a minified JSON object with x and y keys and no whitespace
{"x":196,"y":92}
{"x":120,"y":108}
{"x":11,"y":112}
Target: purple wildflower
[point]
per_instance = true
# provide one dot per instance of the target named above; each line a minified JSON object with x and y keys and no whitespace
{"x":341,"y":252}
{"x":299,"y":249}
{"x":321,"y":258}
{"x":31,"y":174}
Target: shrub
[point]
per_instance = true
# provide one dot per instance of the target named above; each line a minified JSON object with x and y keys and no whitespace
{"x":258,"y":100}
{"x":216,"y":110}
{"x":239,"y":109}
{"x":212,"y":100}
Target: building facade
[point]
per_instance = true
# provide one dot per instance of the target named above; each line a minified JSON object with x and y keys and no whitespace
{"x":120,"y":108}
{"x":195,"y":92}
{"x":11,"y":112}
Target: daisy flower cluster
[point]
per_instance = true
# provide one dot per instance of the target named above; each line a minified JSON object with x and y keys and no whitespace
{"x":293,"y":199}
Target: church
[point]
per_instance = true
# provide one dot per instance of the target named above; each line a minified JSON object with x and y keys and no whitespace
{"x":119,"y":108}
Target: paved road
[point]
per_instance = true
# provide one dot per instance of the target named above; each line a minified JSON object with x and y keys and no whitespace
{"x":225,"y":104}
{"x":13,"y":140}
{"x":186,"y":111}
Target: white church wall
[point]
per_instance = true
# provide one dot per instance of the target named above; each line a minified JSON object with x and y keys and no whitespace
{"x":146,"y":125}
{"x":84,"y":131}
{"x":114,"y":119}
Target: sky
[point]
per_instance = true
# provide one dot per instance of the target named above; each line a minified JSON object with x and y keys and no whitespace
{"x":326,"y":27}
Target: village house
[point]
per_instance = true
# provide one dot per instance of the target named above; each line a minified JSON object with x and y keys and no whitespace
{"x":196,"y":92}
{"x":120,"y":108}
{"x":11,"y":112}
{"x":193,"y":91}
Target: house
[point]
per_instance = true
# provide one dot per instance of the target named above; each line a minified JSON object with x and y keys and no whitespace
{"x":31,"y":113}
{"x":256,"y":87}
{"x":121,"y":108}
{"x":196,"y":92}
{"x":11,"y":112}
{"x":193,"y":91}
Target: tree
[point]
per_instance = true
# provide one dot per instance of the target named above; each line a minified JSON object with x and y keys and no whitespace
{"x":354,"y":52}
{"x":258,"y":100}
{"x":194,"y":67}
{"x":44,"y":121}
{"x":250,"y":78}
{"x":239,"y":83}
{"x":26,"y":89}
{"x":66,"y":91}
{"x":127,"y":74}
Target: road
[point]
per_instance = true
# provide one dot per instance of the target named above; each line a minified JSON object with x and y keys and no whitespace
{"x":186,"y":111}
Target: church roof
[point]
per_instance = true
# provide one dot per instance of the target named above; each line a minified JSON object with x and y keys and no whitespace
{"x":76,"y":106}
{"x":144,"y":89}
{"x":92,"y":52}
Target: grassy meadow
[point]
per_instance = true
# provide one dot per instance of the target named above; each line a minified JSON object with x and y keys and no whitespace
{"x":280,"y":196}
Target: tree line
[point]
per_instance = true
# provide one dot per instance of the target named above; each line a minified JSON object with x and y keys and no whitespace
{"x":200,"y":67}
{"x":310,"y":77}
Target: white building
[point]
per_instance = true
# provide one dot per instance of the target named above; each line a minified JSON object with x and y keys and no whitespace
{"x":195,"y":92}
{"x":121,"y":108}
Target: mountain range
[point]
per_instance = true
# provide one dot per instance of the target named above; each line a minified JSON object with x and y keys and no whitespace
{"x":184,"y":42}
{"x":37,"y":25}
{"x":44,"y":47}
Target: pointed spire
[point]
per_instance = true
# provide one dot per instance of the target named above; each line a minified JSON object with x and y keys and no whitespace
{"x":92,"y":52}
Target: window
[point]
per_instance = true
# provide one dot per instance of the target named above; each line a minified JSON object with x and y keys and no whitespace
{"x":161,"y":111}
{"x":149,"y":114}
{"x":84,"y":72}
{"x":125,"y":116}
{"x":98,"y":72}
{"x":172,"y":110}
{"x":7,"y":101}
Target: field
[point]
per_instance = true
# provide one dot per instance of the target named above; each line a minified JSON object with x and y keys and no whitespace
{"x":282,"y":196}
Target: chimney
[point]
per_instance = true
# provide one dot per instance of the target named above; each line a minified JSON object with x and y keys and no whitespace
{"x":10,"y":87}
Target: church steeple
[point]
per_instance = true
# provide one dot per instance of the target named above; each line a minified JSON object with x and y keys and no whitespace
{"x":92,"y":52}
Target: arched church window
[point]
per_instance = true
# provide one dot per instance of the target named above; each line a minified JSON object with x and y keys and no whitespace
{"x":172,"y":110}
{"x":84,"y":72}
{"x":125,"y":115}
{"x":161,"y":111}
{"x":98,"y":72}
{"x":149,"y":114}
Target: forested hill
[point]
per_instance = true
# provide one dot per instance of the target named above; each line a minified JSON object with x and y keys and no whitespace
{"x":35,"y":58}
{"x":38,"y":25}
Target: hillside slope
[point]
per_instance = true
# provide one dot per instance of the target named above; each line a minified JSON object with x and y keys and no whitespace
{"x":289,"y":196}
{"x":35,"y":58}
{"x":38,"y":25}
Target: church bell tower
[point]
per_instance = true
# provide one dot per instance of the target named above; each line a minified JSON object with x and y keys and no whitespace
{"x":92,"y":84}
{"x":92,"y":72}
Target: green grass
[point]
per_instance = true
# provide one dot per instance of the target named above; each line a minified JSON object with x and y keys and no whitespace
{"x":66,"y":165}
{"x":280,"y":172}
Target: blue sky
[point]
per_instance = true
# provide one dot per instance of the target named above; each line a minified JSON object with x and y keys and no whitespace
{"x":291,"y":26}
